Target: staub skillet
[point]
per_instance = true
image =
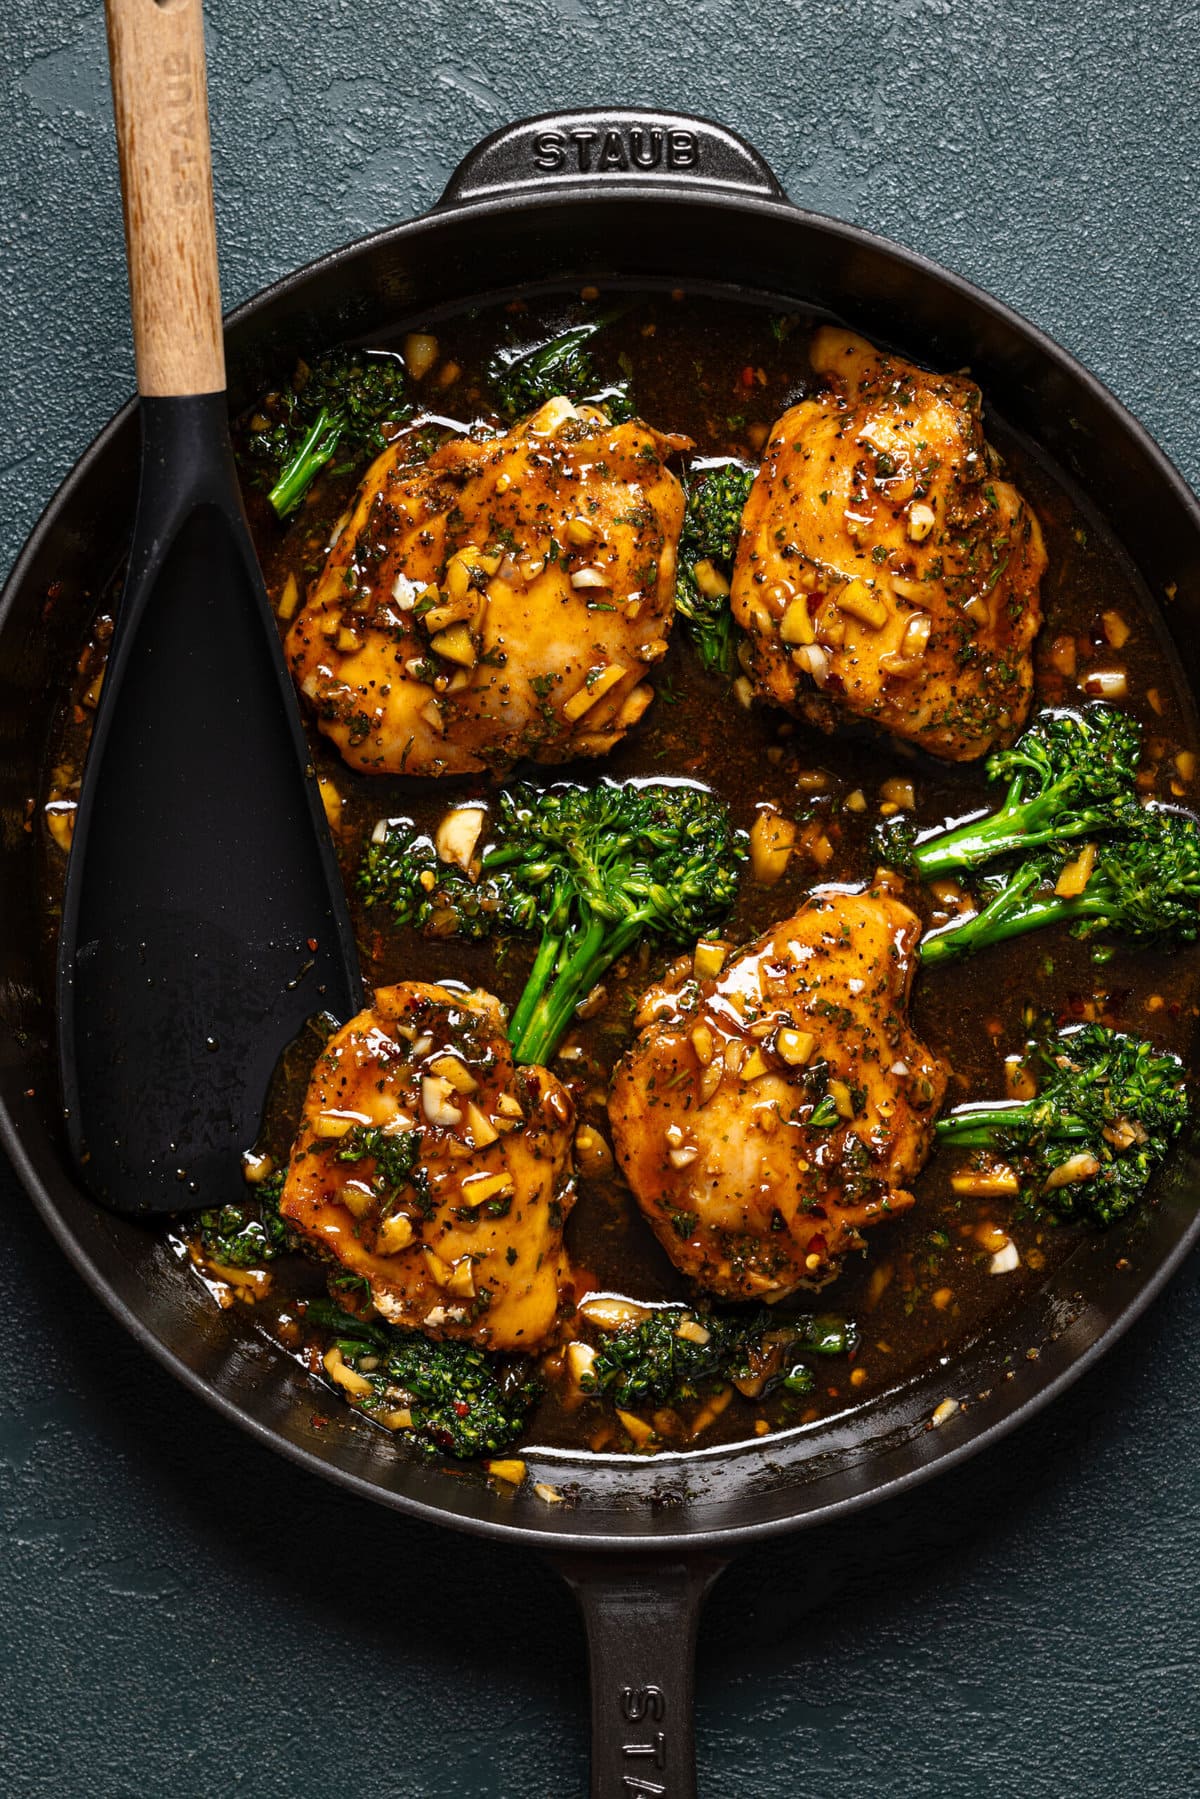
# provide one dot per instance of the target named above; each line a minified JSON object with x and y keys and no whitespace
{"x":641,"y":198}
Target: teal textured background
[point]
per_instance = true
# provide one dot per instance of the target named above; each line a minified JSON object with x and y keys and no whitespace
{"x":182,"y":1617}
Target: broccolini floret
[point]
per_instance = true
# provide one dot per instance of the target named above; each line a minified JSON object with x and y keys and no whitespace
{"x":523,"y":380}
{"x":460,"y":1399}
{"x":675,"y":1355}
{"x":1108,"y":1109}
{"x":238,"y":1238}
{"x":1144,"y":885}
{"x":590,"y":870}
{"x":707,"y":546}
{"x":338,"y":406}
{"x":1070,"y":775}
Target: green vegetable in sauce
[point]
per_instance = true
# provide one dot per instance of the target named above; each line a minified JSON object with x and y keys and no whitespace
{"x":675,"y":1354}
{"x":235,"y":1236}
{"x":1070,"y":775}
{"x":463,"y":1400}
{"x":337,"y":407}
{"x":1144,"y":885}
{"x":591,"y":870}
{"x":1107,"y":1111}
{"x":707,"y":546}
{"x":523,"y":380}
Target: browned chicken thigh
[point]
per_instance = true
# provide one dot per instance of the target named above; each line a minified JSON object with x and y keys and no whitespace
{"x":504,"y":598}
{"x":767,"y":1114}
{"x":430,"y":1165}
{"x":885,"y":569}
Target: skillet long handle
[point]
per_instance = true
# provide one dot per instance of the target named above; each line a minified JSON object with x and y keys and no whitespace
{"x":160,"y":97}
{"x":642,"y":1616}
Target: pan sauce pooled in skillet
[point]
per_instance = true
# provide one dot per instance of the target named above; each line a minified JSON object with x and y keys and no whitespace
{"x":668,"y":1367}
{"x":885,"y":570}
{"x":768,"y":1113}
{"x":504,"y":598}
{"x":428,"y":1164}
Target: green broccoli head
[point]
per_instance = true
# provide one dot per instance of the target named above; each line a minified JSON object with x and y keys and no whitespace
{"x":334,"y":409}
{"x":1085,"y":756}
{"x":462,"y":1400}
{"x":1125,"y":1099}
{"x":1108,"y":1108}
{"x":648,"y":1362}
{"x":675,"y":1355}
{"x":590,"y":870}
{"x":1143,"y":884}
{"x":1146,"y":884}
{"x":249,"y":1235}
{"x":402,"y":872}
{"x":1070,"y":775}
{"x":707,"y":547}
{"x":524,"y":379}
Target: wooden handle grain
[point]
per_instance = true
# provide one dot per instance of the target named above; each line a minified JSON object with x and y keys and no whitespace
{"x":160,"y":97}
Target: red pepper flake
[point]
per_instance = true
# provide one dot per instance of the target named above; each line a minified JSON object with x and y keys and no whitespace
{"x":312,"y":944}
{"x":319,"y":1421}
{"x":747,"y":376}
{"x":461,"y":1408}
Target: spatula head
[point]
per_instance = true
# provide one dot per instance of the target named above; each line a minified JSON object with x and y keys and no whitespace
{"x":204,"y":919}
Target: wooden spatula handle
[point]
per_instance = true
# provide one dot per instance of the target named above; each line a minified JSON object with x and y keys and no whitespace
{"x":160,"y":96}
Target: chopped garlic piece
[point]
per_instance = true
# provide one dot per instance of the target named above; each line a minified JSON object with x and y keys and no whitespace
{"x":610,"y":1314}
{"x":436,"y":1103}
{"x":458,"y":834}
{"x":596,"y":684}
{"x":354,"y":1383}
{"x":507,"y":1468}
{"x":862,"y":602}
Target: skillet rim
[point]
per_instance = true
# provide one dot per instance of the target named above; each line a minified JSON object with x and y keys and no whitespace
{"x":555,"y":1534}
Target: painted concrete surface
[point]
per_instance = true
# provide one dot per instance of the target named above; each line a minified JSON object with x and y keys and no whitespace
{"x":182,"y":1616}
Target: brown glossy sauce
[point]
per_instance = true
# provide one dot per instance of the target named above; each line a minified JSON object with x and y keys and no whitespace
{"x":722,"y":373}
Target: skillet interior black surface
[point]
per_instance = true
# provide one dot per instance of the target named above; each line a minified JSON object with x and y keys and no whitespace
{"x":509,"y":228}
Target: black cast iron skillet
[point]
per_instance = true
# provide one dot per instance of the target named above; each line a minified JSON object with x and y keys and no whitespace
{"x":648,"y":199}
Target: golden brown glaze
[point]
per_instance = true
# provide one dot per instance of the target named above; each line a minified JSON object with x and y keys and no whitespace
{"x":470,"y":1244}
{"x":503,"y":599}
{"x":712,"y":1109}
{"x":885,"y":569}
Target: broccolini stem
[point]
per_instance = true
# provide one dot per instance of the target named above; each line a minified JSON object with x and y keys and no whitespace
{"x":980,"y":1124}
{"x":1015,"y":826}
{"x":1011,"y":914}
{"x":298,"y":475}
{"x":549,"y":950}
{"x":597,"y":950}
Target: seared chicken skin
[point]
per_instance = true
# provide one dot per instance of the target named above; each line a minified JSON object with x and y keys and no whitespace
{"x":884,"y":568}
{"x":428,"y":1163}
{"x":503,"y":599}
{"x":768,"y":1114}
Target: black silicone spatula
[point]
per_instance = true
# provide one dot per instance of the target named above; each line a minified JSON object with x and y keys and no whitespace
{"x":204,"y":919}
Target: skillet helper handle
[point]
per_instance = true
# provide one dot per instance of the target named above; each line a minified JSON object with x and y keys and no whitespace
{"x":641,"y":1617}
{"x":616,"y":145}
{"x":160,"y":98}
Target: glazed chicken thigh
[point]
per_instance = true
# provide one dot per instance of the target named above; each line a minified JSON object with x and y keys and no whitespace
{"x":885,"y":570}
{"x":504,"y":598}
{"x":766,"y":1115}
{"x":430,"y":1165}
